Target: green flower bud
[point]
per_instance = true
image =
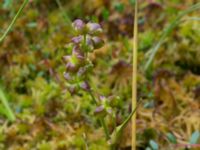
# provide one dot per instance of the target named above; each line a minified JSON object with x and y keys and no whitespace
{"x":74,"y":61}
{"x":69,"y":47}
{"x":102,"y":99}
{"x":66,"y":58}
{"x":114,"y":101}
{"x":100,"y":111}
{"x":72,"y":64}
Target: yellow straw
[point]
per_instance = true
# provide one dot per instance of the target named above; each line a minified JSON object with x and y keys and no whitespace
{"x":134,"y":75}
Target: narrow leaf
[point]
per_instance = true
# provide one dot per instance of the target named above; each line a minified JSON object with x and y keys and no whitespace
{"x":153,"y":144}
{"x":8,"y":112}
{"x":171,"y":138}
{"x":195,"y":137}
{"x":166,"y":32}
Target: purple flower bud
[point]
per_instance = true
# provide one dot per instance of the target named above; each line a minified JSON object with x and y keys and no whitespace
{"x":81,"y":71}
{"x":78,"y":53}
{"x":73,"y":89}
{"x":71,"y":67}
{"x":85,"y":86}
{"x":109,"y":111}
{"x":71,"y":63}
{"x":97,"y":42}
{"x":66,"y":58}
{"x":78,"y":24}
{"x":102,"y":98}
{"x":88,"y":47}
{"x":89,"y":41}
{"x":94,"y":28}
{"x":100,"y":111}
{"x":77,"y":40}
{"x":74,"y":61}
{"x":67,"y":76}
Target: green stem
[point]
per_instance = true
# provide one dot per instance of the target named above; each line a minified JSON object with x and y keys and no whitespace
{"x":84,"y":36}
{"x":93,"y":98}
{"x":102,"y":121}
{"x":14,"y":20}
{"x":105,"y":128}
{"x":85,"y":44}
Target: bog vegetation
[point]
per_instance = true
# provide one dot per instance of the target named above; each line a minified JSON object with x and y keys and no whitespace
{"x":66,"y":74}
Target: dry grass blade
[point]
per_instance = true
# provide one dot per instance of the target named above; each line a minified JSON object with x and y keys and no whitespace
{"x":134,"y":76}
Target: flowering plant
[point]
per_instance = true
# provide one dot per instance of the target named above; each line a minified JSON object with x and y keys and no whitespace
{"x":78,"y":68}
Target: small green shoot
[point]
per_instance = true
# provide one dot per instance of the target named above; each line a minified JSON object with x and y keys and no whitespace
{"x":5,"y":108}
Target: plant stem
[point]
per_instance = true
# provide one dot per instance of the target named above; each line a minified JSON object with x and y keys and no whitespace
{"x":93,"y":98}
{"x":105,"y":128}
{"x":134,"y":79}
{"x":14,"y":20}
{"x":102,"y":121}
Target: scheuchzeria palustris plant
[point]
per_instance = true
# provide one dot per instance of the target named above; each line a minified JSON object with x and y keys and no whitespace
{"x":78,"y":68}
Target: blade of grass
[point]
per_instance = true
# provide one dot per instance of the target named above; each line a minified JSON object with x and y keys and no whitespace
{"x":117,"y":133}
{"x":8,"y":110}
{"x":192,"y":18}
{"x":14,"y":20}
{"x":65,"y":16}
{"x":3,"y":98}
{"x":167,"y":32}
{"x":134,"y":75}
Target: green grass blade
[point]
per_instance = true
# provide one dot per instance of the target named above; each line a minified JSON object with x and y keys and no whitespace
{"x":14,"y":20}
{"x":66,"y":17}
{"x":10,"y":115}
{"x":167,"y":32}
